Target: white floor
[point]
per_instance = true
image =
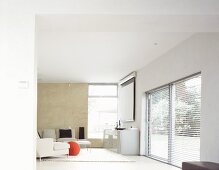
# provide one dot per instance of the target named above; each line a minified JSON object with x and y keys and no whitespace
{"x":141,"y":163}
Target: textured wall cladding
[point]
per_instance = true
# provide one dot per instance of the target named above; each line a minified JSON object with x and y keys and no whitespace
{"x":62,"y":105}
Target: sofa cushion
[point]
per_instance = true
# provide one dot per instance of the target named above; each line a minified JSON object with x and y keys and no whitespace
{"x":60,"y":146}
{"x":49,"y":133}
{"x":72,"y":132}
{"x":65,"y":133}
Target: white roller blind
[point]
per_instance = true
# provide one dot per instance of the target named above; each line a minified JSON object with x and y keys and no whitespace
{"x":127,"y":101}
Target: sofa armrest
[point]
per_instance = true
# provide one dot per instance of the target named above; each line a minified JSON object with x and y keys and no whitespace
{"x":45,"y":147}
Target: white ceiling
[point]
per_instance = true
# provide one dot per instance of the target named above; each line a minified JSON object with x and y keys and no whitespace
{"x":99,"y":56}
{"x":104,"y":48}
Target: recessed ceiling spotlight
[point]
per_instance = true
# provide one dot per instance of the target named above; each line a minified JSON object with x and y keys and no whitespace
{"x":155,"y":43}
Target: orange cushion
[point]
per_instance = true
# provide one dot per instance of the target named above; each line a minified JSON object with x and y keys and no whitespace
{"x":74,"y":148}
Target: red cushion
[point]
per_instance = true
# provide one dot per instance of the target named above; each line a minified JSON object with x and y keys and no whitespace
{"x":74,"y":148}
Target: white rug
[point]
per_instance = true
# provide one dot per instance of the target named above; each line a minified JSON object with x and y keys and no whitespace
{"x":92,"y":155}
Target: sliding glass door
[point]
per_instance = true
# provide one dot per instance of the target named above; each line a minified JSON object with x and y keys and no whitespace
{"x":174,"y":121}
{"x":159,"y":123}
{"x":186,"y":109}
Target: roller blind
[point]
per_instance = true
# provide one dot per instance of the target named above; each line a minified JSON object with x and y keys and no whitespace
{"x":127,"y":101}
{"x":174,"y":121}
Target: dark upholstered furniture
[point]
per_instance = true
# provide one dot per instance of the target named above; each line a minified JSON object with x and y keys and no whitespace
{"x":200,"y":166}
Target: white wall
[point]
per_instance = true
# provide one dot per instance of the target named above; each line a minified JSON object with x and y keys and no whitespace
{"x":18,"y":106}
{"x":198,"y":53}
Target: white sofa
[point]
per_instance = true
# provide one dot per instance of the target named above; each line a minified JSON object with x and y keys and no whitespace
{"x":46,"y":147}
{"x":54,"y":134}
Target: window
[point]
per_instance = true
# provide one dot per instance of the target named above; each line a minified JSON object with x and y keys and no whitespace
{"x":174,"y":121}
{"x":102,"y":109}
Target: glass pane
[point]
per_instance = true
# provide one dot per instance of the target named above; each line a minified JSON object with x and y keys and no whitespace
{"x":102,"y":90}
{"x":159,"y":123}
{"x":187,"y":109}
{"x":102,"y":114}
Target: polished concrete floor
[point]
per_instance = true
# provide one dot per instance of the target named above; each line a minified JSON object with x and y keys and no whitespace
{"x":141,"y":162}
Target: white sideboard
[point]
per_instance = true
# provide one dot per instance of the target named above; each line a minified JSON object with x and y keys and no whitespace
{"x":125,"y":142}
